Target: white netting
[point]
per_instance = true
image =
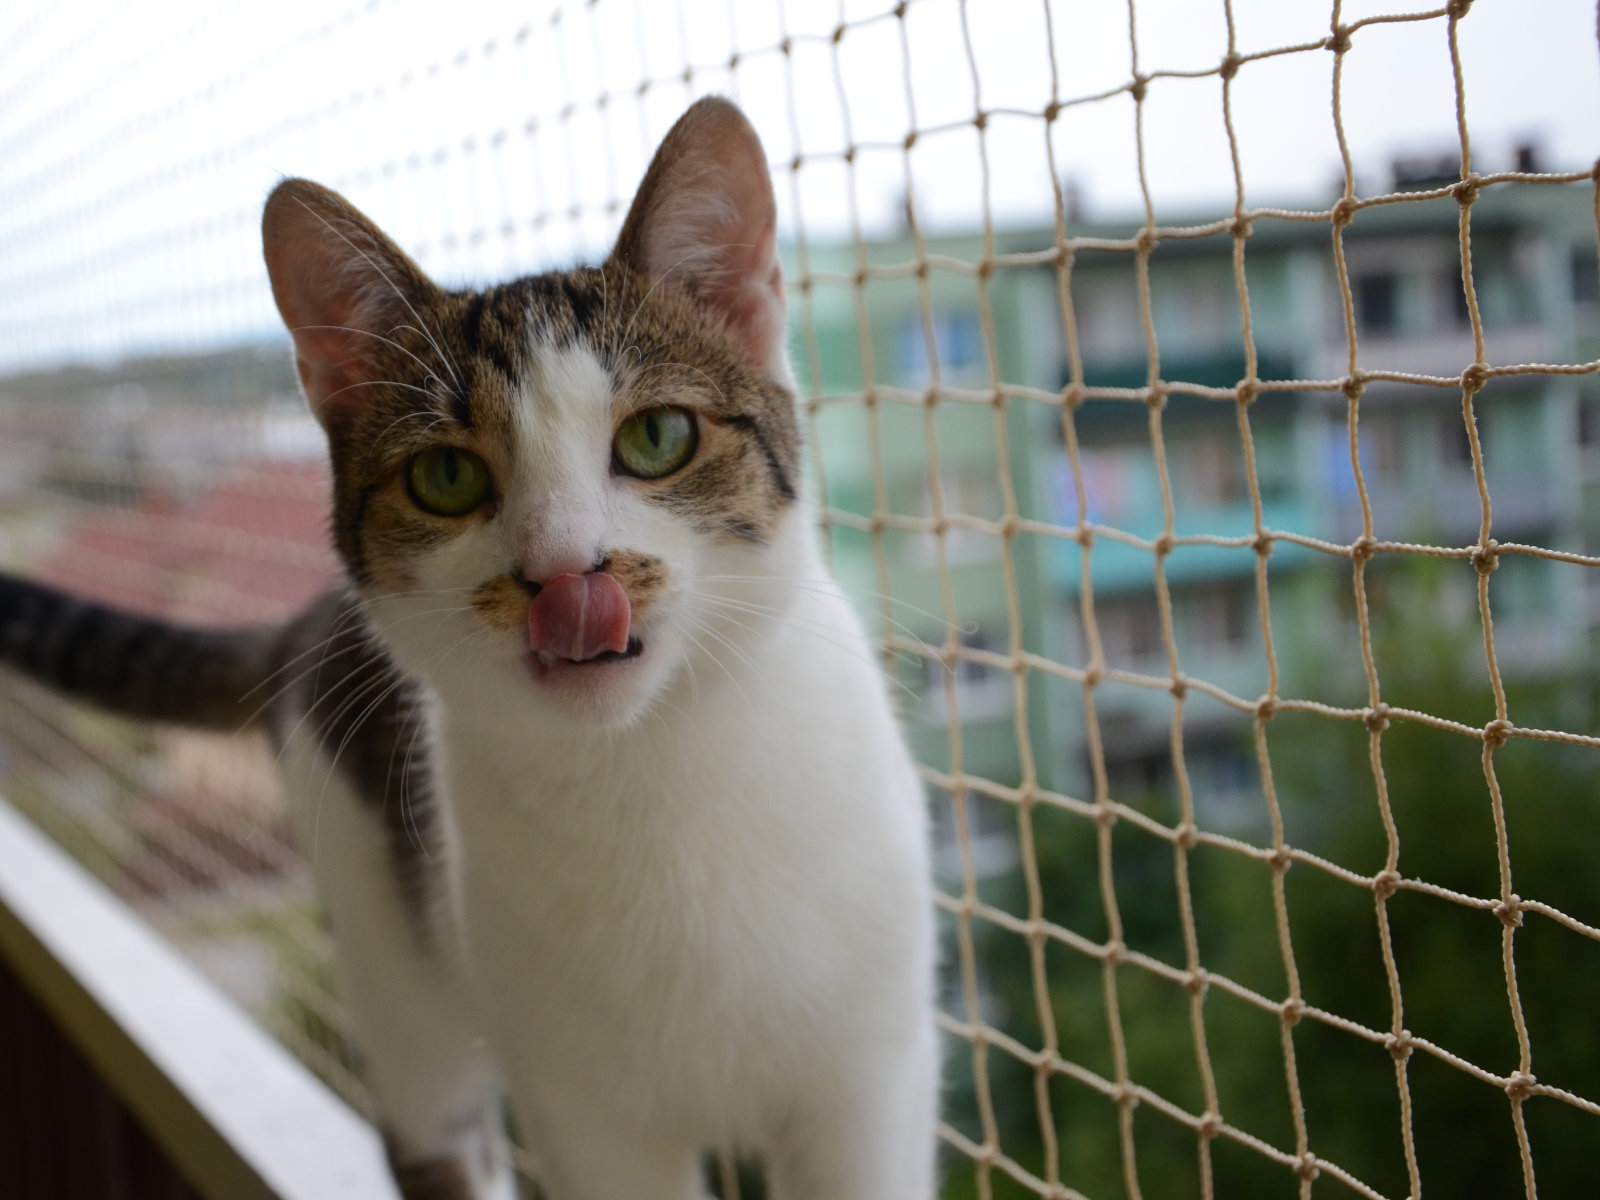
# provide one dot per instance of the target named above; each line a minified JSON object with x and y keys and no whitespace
{"x":1188,"y":531}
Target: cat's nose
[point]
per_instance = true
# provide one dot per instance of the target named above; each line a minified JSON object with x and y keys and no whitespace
{"x":534,"y":571}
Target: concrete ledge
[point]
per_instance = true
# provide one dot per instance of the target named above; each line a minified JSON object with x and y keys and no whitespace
{"x":238,"y":1116}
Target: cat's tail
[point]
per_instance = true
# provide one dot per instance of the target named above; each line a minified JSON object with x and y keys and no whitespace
{"x":135,"y":666}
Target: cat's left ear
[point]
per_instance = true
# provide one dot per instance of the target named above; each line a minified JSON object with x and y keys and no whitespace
{"x":705,"y":219}
{"x":343,"y":288}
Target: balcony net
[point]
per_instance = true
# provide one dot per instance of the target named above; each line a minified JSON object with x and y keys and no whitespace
{"x":1179,"y":658}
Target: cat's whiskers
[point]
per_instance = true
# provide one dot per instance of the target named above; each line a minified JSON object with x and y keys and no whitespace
{"x":345,"y":619}
{"x":401,"y":678}
{"x":812,"y":629}
{"x":428,"y":372}
{"x":325,"y":644}
{"x":707,"y":627}
{"x":662,"y":278}
{"x":379,"y":666}
{"x":360,"y":383}
{"x":688,"y":632}
{"x":437,"y":419}
{"x":807,"y":583}
{"x":367,"y":258}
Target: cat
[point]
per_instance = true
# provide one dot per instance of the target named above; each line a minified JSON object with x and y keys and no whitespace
{"x":595,"y":769}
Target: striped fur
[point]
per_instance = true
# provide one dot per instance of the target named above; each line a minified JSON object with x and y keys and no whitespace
{"x":674,"y":900}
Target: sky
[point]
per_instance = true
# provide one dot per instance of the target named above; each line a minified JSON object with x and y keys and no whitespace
{"x":138,"y":141}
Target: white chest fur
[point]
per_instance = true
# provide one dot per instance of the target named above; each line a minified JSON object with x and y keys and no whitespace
{"x":701,"y":919}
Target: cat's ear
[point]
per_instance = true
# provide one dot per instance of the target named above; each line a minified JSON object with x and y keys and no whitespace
{"x":705,"y":219}
{"x":342,"y":288}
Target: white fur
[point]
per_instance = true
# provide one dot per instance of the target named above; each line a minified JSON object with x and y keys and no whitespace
{"x":694,"y":889}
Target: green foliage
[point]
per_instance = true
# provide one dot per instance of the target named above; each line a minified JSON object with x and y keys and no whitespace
{"x":1448,"y":956}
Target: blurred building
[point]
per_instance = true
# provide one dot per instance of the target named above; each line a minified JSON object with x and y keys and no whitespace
{"x":1534,"y":261}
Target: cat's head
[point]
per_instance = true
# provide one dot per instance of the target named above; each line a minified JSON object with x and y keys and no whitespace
{"x":574,"y":485}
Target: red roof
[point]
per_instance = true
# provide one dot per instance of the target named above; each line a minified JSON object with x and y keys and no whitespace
{"x":253,"y":548}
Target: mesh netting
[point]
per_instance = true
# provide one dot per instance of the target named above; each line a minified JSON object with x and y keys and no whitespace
{"x":1177,"y":530}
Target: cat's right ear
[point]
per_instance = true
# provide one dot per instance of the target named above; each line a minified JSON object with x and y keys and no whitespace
{"x":342,"y":287}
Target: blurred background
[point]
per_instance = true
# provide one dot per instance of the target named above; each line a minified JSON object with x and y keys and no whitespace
{"x":1131,"y":339}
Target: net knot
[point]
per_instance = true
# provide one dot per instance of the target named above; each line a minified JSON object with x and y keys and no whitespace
{"x":1126,"y":1097}
{"x":981,"y":121}
{"x":1496,"y":733}
{"x":1385,"y":883}
{"x":838,"y":33}
{"x":900,"y":10}
{"x":1486,"y":557}
{"x":911,"y":139}
{"x":1247,"y":390}
{"x":1086,"y":537}
{"x":1266,"y":708}
{"x":1363,"y":548}
{"x":1187,"y":838}
{"x":1344,"y":211}
{"x":930,"y":397}
{"x":1138,"y":88}
{"x":1458,"y":8}
{"x":1146,"y":241}
{"x":1179,"y":687}
{"x":1466,"y":192}
{"x":1072,"y":395}
{"x":1162,"y":546}
{"x":1156,"y":396}
{"x":1509,"y":911}
{"x":1105,"y":816}
{"x":1210,"y":1125}
{"x":1115,"y":953}
{"x":1520,"y":1085}
{"x":1306,"y":1166}
{"x":1280,"y":861}
{"x":1052,"y":110}
{"x":1230,"y":66}
{"x":1339,"y":40}
{"x":1263,"y":544}
{"x":1291,"y":1011}
{"x":1352,"y":387}
{"x":1474,"y":377}
{"x":1376,"y":717}
{"x":1399,"y":1045}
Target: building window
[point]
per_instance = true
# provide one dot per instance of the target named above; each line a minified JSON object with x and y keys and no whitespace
{"x":1213,"y":471}
{"x":1456,"y":295}
{"x":957,"y":340}
{"x":1585,"y":276}
{"x":1218,"y":617}
{"x":1130,"y":627}
{"x":982,"y":691}
{"x":1455,"y":444}
{"x":1384,"y":434}
{"x":1375,"y":297}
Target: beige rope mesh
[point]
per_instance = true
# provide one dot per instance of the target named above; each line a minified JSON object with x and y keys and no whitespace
{"x":192,"y":878}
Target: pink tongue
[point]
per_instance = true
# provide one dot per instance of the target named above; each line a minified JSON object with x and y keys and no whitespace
{"x":579,"y":617}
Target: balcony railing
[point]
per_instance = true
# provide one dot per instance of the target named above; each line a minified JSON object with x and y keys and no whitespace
{"x":127,"y":1074}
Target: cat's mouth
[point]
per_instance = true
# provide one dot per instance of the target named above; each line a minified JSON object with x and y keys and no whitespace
{"x":546,"y":662}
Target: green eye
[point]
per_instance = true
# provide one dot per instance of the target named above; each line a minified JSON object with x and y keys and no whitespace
{"x":654,"y":442}
{"x":448,"y":481}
